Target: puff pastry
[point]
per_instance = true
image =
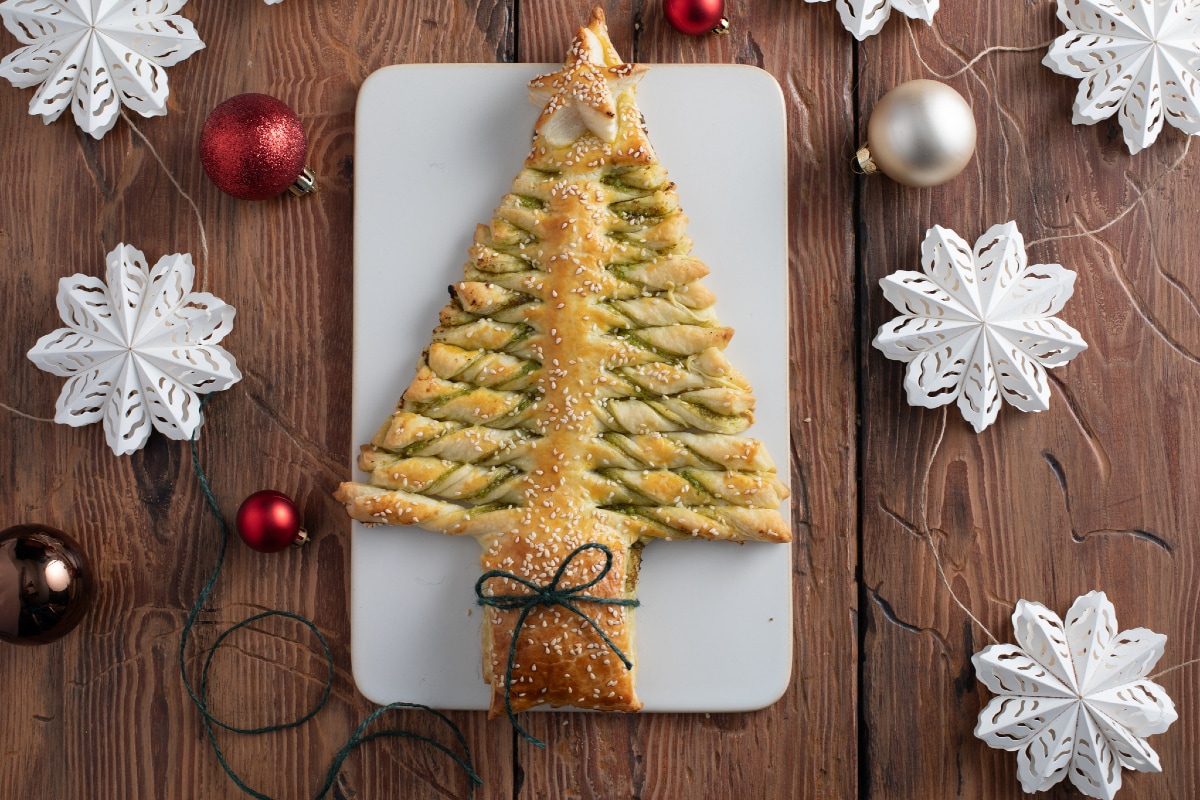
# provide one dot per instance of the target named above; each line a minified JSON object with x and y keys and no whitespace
{"x":575,"y":391}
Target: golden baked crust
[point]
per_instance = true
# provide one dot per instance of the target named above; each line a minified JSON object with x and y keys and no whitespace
{"x":575,"y":391}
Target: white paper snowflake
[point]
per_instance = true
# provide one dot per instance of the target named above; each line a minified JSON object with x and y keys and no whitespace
{"x":865,"y":18}
{"x":138,"y":349}
{"x":1138,"y":59}
{"x":1073,"y":699}
{"x":95,"y":55}
{"x":979,"y":326}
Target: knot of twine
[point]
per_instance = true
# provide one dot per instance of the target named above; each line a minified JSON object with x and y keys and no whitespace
{"x":549,"y":595}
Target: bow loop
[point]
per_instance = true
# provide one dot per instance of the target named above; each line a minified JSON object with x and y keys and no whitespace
{"x":578,"y":551}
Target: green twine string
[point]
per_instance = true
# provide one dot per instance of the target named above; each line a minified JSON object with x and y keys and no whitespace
{"x":211,"y":722}
{"x":549,"y":595}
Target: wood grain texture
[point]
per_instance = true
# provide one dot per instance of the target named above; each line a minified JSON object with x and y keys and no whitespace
{"x":1096,"y":493}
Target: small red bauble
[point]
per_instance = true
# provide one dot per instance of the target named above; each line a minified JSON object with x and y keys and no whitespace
{"x":696,"y":17}
{"x":253,"y":147}
{"x":269,"y":522}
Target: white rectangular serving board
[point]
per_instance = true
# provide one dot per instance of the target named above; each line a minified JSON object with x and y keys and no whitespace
{"x":437,"y":147}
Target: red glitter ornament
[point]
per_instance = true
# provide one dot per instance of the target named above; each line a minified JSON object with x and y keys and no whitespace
{"x":253,"y":147}
{"x":696,"y":17}
{"x":269,"y":522}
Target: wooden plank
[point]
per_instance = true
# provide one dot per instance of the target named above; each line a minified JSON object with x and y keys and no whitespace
{"x":1097,"y":493}
{"x":546,"y":27}
{"x":103,"y":713}
{"x":804,"y":746}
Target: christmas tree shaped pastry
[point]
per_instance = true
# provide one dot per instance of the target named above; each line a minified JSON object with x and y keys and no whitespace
{"x":575,"y":392}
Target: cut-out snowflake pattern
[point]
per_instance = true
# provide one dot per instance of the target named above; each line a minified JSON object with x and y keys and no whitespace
{"x":1072,"y":698}
{"x":138,"y":349}
{"x":865,"y":18}
{"x":95,"y":56}
{"x":1138,"y":59}
{"x":978,"y":327}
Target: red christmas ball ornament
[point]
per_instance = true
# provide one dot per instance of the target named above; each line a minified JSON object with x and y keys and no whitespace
{"x":269,"y":522}
{"x":696,"y":17}
{"x":253,"y":147}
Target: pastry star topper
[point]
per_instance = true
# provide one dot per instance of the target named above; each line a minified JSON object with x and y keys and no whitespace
{"x":582,"y":96}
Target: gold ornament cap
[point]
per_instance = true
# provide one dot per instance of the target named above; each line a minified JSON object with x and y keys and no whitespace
{"x":306,"y":183}
{"x":863,"y":163}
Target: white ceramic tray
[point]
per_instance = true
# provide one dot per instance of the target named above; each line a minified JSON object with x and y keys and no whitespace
{"x":436,"y":149}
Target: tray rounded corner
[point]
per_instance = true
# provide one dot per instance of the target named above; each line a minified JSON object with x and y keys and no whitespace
{"x":365,"y":685}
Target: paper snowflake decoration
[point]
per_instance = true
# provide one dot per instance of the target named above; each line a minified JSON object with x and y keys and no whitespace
{"x":1138,"y":59}
{"x":1073,"y":698}
{"x":979,"y":326}
{"x":137,"y":350}
{"x":865,"y":18}
{"x":96,"y":55}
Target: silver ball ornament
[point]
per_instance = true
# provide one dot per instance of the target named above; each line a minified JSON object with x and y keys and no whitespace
{"x":921,"y":133}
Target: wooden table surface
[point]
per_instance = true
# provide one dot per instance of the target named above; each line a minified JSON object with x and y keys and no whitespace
{"x":1098,"y":493}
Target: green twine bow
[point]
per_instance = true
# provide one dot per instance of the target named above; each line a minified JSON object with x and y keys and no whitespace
{"x":549,"y":595}
{"x":200,"y":699}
